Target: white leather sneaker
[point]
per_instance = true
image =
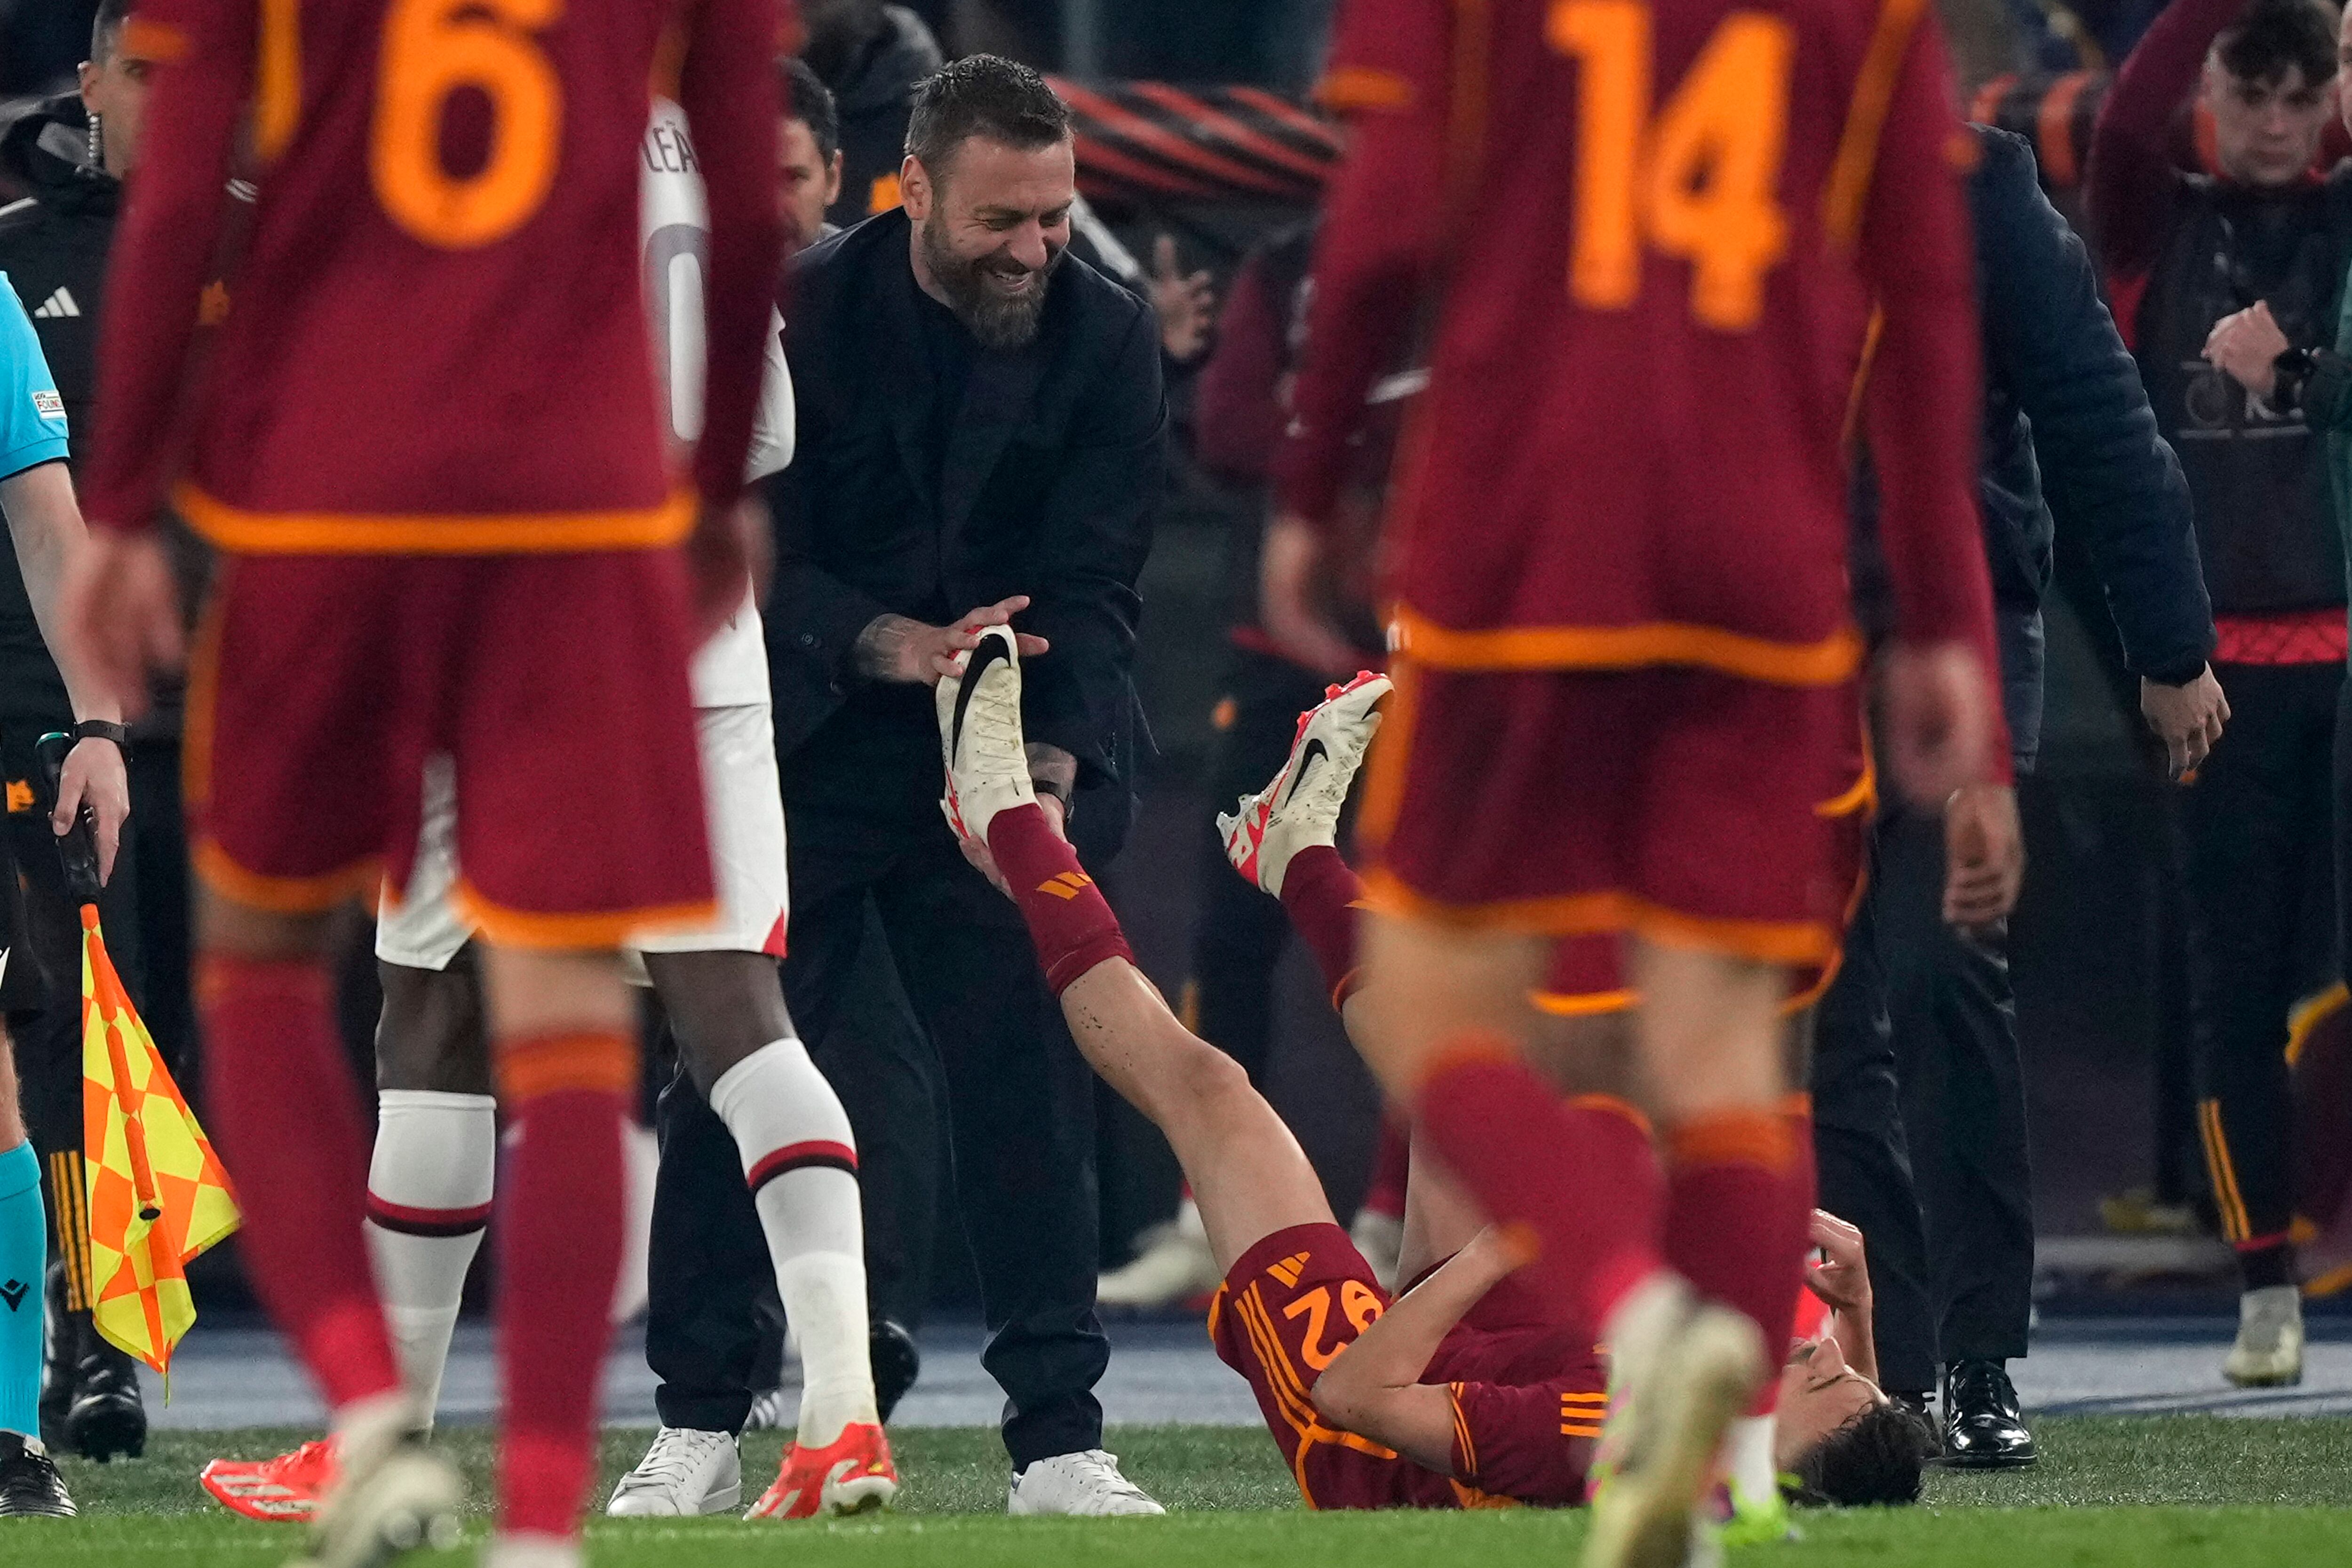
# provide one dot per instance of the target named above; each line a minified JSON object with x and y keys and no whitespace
{"x":2269,"y":1352}
{"x":685,"y":1473}
{"x":1087,"y":1483}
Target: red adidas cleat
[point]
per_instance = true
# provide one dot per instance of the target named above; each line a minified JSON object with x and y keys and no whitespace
{"x":283,"y":1490}
{"x":849,"y":1474}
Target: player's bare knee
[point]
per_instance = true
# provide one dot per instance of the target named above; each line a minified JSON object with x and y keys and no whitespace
{"x":540,"y":991}
{"x":431,"y":1035}
{"x":722,"y":1007}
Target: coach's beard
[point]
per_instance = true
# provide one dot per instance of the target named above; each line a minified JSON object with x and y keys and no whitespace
{"x":999,"y":319}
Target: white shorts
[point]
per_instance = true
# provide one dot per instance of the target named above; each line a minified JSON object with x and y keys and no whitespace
{"x":421,"y":928}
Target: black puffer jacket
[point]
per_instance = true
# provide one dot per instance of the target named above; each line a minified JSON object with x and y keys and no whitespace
{"x":53,"y":246}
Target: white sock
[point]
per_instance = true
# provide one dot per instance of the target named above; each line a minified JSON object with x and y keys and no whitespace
{"x":1747,"y":1448}
{"x":428,"y":1200}
{"x":802,"y":1163}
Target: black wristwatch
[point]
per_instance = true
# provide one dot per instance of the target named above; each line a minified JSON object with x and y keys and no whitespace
{"x":103,"y":730}
{"x":1055,"y":788}
{"x":2289,"y":370}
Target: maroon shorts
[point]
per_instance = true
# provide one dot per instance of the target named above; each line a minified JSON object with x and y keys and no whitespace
{"x":1288,"y":1306}
{"x":1677,"y":803}
{"x":556,"y":684}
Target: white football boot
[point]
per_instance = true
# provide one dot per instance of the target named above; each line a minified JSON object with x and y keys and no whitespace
{"x":1302,"y":805}
{"x":980,"y":736}
{"x":1172,"y":1265}
{"x":685,"y":1473}
{"x":2269,"y":1352}
{"x":392,"y":1495}
{"x":1086,"y":1483}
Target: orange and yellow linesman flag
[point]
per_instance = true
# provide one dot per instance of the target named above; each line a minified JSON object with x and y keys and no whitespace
{"x":158,"y":1196}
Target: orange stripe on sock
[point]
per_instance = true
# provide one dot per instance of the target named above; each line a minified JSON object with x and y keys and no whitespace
{"x":587,"y":1061}
{"x":1612,"y":1105}
{"x":1760,"y":1138}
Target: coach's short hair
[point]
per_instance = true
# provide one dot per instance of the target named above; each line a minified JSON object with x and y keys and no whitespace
{"x":1874,"y":1459}
{"x":983,"y":95}
{"x":106,"y":29}
{"x":2275,"y":36}
{"x":809,"y":102}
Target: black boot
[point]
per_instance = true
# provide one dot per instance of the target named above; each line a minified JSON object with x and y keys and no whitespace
{"x":30,"y":1487}
{"x":108,"y":1417}
{"x":1982,"y":1430}
{"x":57,"y":1358}
{"x":896,"y":1364}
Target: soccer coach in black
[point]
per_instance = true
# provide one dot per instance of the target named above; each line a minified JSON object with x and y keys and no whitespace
{"x":981,"y":436}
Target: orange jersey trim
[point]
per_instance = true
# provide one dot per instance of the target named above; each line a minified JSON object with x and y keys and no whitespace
{"x":490,"y":533}
{"x":1873,"y":94}
{"x":1534,"y":649}
{"x":283,"y":895}
{"x":1352,"y":87}
{"x":1790,"y":943}
{"x":2310,"y":1015}
{"x":158,"y":41}
{"x":591,"y":1061}
{"x":1583,"y":1004}
{"x":596,"y":930}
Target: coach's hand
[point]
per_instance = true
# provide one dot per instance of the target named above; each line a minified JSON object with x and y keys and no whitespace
{"x":899,"y":648}
{"x":1287,"y":611}
{"x":94,"y":776}
{"x":121,"y":617}
{"x":2187,"y":719}
{"x":729,"y":555}
{"x":1938,"y":706}
{"x":1984,"y":856}
{"x":1842,"y":1278}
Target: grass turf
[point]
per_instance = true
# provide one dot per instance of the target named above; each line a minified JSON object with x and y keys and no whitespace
{"x":2164,"y":1490}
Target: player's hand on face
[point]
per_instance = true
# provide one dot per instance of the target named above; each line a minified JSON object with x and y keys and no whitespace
{"x":1984,"y":856}
{"x":728,"y":557}
{"x":2187,"y":719}
{"x":94,"y":776}
{"x":1842,"y":1278}
{"x":121,"y":615}
{"x":1938,"y":704}
{"x":2246,"y":347}
{"x":1285,"y":593}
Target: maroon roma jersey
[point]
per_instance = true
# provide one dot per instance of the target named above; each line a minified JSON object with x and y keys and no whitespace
{"x":436,"y":341}
{"x":1646,"y":242}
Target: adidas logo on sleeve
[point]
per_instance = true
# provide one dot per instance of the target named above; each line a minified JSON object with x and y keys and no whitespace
{"x":61,"y":303}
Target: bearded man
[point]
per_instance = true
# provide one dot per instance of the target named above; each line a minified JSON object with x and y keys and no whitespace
{"x":980,"y":433}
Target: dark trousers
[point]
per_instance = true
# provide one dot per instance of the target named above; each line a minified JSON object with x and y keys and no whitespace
{"x":1019,"y":1100}
{"x":2258,"y":822}
{"x":1919,"y":1116}
{"x":1239,"y":932}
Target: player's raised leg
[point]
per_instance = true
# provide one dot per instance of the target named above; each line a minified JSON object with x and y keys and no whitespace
{"x":29,"y":1483}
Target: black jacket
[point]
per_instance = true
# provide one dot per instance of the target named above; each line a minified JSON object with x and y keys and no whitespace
{"x":1047,"y":488}
{"x":53,"y":246}
{"x":2068,"y":429}
{"x":871,"y":86}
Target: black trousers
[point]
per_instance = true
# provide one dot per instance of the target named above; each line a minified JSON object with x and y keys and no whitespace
{"x":1922,"y":1022}
{"x":1239,"y":932}
{"x":2259,"y":822}
{"x":1019,"y":1097}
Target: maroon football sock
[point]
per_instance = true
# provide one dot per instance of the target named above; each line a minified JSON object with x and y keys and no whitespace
{"x":1069,"y":919}
{"x":1319,"y":891}
{"x":1738,"y":1205}
{"x":1391,"y":1168}
{"x":558,"y":1255}
{"x":1579,"y":1179}
{"x":284,"y":1111}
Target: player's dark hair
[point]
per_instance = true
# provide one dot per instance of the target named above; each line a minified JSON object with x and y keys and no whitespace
{"x":106,"y":29}
{"x":2274,"y":36}
{"x":983,"y":95}
{"x":1874,"y":1461}
{"x":809,"y":102}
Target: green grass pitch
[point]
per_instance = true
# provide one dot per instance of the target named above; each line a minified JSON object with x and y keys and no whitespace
{"x":2154,"y":1491}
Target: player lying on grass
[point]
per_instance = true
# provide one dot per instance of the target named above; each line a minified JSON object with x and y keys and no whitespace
{"x":1467,"y":1391}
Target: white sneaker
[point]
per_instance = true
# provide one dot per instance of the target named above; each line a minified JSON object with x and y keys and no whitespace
{"x":685,"y":1473}
{"x":1083,"y":1483}
{"x":1381,"y":1238}
{"x":392,"y":1496}
{"x":1680,"y":1372}
{"x":1173,"y":1265}
{"x":980,"y":736}
{"x":2269,"y":1352}
{"x":1302,"y":805}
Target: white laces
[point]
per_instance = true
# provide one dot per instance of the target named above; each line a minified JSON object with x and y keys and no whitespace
{"x":677,"y":1452}
{"x":1098,"y":1471}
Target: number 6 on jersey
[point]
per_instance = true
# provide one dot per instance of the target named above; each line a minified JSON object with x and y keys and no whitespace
{"x":1700,"y":182}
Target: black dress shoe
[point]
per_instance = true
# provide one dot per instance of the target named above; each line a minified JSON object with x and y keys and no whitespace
{"x":108,"y":1417}
{"x":30,"y":1487}
{"x":1982,"y":1430}
{"x":896,"y":1364}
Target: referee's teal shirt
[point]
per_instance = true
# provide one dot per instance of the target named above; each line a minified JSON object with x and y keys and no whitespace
{"x":32,"y":414}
